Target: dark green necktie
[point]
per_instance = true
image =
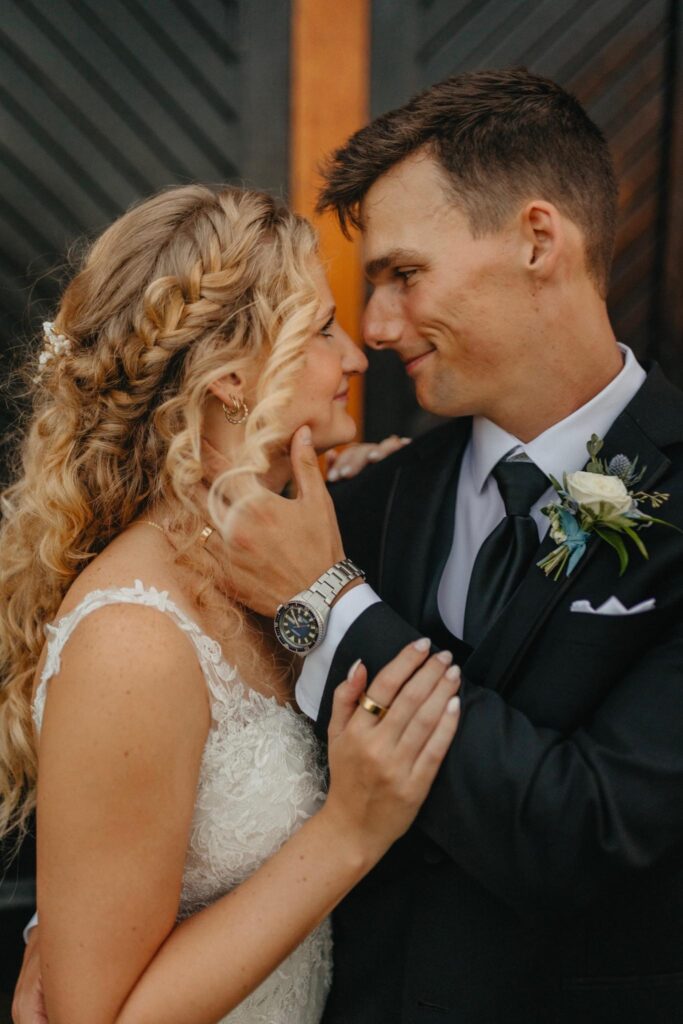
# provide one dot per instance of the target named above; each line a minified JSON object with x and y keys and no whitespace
{"x":506,"y":554}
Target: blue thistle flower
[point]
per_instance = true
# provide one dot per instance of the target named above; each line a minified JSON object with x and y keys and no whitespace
{"x":619,"y":466}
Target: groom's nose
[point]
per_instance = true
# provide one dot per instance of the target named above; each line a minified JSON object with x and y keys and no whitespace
{"x":381,"y":326}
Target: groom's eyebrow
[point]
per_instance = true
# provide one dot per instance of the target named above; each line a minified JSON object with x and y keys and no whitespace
{"x":393,"y":258}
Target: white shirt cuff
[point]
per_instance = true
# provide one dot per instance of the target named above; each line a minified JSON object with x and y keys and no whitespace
{"x":33,"y":923}
{"x":311,"y":683}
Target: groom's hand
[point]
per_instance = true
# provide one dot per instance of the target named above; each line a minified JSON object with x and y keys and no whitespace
{"x":279,"y":546}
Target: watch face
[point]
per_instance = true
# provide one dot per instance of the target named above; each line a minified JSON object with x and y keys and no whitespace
{"x":296,"y":627}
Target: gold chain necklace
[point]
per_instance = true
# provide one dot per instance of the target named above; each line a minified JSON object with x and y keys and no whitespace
{"x":149,"y":522}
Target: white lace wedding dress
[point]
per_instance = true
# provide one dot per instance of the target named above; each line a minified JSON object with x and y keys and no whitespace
{"x":260,"y":778}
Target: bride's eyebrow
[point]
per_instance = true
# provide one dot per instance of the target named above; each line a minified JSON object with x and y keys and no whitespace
{"x":328,"y":315}
{"x":391,"y":259}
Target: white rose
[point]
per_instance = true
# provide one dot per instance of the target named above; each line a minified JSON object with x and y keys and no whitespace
{"x":593,"y":490}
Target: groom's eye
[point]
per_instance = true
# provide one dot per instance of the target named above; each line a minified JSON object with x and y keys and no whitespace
{"x":404,"y":274}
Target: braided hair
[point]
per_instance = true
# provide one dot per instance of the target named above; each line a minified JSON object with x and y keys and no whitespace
{"x":183,"y":289}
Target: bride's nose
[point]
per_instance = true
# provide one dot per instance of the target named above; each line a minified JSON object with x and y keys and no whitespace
{"x":354,"y":359}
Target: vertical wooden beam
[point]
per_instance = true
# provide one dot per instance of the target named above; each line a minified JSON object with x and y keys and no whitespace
{"x":330,"y":100}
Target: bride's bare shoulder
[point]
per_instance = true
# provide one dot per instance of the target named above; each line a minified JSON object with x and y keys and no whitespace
{"x":132,"y":646}
{"x":139,"y":553}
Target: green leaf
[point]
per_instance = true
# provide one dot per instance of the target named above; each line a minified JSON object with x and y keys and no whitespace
{"x":636,"y":540}
{"x":619,"y":523}
{"x":615,"y":541}
{"x":663,"y":522}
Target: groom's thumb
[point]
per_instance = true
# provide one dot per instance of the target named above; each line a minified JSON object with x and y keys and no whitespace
{"x":305,"y":465}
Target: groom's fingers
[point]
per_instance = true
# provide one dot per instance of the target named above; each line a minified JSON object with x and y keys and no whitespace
{"x":305,"y":467}
{"x":213,"y":462}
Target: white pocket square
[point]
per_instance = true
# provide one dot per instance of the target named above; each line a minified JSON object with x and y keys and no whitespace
{"x":612,"y":606}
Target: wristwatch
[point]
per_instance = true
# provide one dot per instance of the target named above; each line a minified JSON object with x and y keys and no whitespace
{"x":300,"y":623}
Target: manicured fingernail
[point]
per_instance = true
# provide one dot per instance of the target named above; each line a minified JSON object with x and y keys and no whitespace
{"x":333,"y":475}
{"x":453,"y":706}
{"x":373,"y":455}
{"x":354,"y":668}
{"x":422,"y":645}
{"x":345,"y":471}
{"x":306,"y":435}
{"x":406,"y":440}
{"x":445,"y":656}
{"x":453,"y":672}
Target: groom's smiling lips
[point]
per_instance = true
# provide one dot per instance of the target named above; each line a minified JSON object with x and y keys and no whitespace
{"x":412,"y":362}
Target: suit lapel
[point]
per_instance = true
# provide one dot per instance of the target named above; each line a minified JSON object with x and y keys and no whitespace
{"x":413,"y":514}
{"x":634,"y":432}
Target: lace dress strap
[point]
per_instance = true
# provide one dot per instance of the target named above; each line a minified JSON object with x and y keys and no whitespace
{"x":215,"y":669}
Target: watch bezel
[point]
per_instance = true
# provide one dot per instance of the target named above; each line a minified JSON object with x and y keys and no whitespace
{"x":312,"y":610}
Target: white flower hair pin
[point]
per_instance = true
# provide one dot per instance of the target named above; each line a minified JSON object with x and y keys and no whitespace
{"x":600,"y":500}
{"x":55,"y":345}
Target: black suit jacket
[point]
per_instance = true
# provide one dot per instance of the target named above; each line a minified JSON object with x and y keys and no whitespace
{"x":542,"y":882}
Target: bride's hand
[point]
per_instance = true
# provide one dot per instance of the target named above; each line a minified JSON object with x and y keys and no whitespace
{"x":382,"y":769}
{"x":28,"y":1004}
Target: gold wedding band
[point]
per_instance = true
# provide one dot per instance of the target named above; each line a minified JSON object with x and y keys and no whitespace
{"x":372,"y":706}
{"x":205,"y":534}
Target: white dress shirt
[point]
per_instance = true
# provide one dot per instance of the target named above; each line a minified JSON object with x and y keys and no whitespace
{"x":478,"y":510}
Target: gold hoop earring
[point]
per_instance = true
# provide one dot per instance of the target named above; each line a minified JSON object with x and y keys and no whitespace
{"x":237,"y":412}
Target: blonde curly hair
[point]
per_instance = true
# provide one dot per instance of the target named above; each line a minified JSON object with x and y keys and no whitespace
{"x":185,"y":288}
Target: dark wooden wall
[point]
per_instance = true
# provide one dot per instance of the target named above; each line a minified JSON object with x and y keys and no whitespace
{"x":623,"y":59}
{"x":100,"y":105}
{"x":103,"y":103}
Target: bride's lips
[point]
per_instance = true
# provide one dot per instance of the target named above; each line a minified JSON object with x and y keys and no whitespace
{"x":412,"y":364}
{"x":342,"y":396}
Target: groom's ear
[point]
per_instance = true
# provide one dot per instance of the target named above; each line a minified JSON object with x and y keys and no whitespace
{"x":543,"y":237}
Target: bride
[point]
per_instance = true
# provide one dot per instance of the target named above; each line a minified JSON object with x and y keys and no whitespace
{"x":189,"y":850}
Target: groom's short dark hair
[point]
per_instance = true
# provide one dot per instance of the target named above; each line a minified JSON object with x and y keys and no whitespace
{"x":502,"y":137}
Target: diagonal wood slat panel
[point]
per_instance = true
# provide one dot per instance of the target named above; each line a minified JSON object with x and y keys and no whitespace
{"x":106,"y":91}
{"x":615,"y":55}
{"x":102,"y":104}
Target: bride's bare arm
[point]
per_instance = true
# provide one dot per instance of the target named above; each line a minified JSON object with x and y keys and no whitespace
{"x":123,"y":733}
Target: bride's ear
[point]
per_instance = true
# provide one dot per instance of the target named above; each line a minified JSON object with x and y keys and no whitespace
{"x":233,"y":385}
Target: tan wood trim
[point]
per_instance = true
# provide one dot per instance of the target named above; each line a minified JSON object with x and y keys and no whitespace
{"x":330,"y":100}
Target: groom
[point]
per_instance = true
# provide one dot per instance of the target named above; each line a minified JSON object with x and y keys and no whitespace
{"x":542,"y":881}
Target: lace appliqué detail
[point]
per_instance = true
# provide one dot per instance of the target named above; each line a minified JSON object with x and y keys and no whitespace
{"x":261,"y":777}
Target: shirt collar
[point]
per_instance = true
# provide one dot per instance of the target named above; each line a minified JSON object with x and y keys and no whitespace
{"x":562,"y":447}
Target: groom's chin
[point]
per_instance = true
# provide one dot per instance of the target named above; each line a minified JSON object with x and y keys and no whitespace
{"x":434,"y":398}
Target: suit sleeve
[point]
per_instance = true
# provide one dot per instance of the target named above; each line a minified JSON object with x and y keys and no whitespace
{"x":542,"y":819}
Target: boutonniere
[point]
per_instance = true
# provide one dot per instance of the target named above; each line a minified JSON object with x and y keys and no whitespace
{"x":600,"y":499}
